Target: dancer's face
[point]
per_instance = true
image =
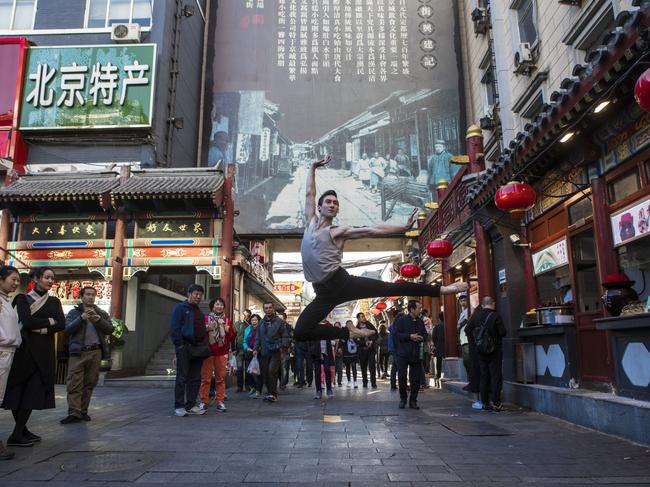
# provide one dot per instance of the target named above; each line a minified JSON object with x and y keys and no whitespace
{"x":330,"y":206}
{"x":45,"y":281}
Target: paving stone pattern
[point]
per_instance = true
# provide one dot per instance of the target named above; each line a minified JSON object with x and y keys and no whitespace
{"x":358,"y":438}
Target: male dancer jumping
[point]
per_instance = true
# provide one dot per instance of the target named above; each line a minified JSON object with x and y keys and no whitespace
{"x":322,"y":252}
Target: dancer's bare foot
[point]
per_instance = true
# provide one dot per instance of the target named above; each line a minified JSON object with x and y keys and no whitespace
{"x":457,"y":287}
{"x":359,"y":332}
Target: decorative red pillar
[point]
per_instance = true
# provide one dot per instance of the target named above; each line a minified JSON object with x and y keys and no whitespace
{"x":474,"y":143}
{"x":4,"y":235}
{"x":484,"y":267}
{"x":117,"y":284}
{"x":603,"y":230}
{"x":227,"y":238}
{"x":449,"y":302}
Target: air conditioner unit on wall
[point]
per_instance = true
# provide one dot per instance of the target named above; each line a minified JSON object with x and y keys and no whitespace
{"x":524,"y":62}
{"x":125,"y":32}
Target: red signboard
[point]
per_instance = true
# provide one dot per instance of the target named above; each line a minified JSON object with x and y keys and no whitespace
{"x":12,"y":67}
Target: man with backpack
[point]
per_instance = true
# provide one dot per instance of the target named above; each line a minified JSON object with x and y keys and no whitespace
{"x":488,"y":330}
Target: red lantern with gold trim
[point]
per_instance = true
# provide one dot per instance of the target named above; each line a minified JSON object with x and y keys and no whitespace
{"x":381,"y":306}
{"x":410,"y":271}
{"x":516,"y":198}
{"x":439,"y":248}
{"x":642,"y":90}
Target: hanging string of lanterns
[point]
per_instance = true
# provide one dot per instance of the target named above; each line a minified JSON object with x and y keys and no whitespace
{"x":439,"y":248}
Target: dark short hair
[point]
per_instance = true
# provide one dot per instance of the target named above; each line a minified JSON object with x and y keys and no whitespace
{"x":329,"y":192}
{"x":268,"y":302}
{"x":441,"y":316}
{"x":214,"y":301}
{"x":412,"y":304}
{"x":361,"y":314}
{"x":6,"y":271}
{"x":348,"y":321}
{"x":82,"y":291}
{"x":256,"y":316}
{"x":39,"y":271}
{"x":195,"y":287}
{"x":248,"y":311}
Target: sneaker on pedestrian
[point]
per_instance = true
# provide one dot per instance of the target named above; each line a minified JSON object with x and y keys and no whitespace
{"x":70,"y":418}
{"x":330,"y":393}
{"x":487,"y":407}
{"x":497,"y":408}
{"x":31,"y":436}
{"x":318,"y":395}
{"x":402,"y":403}
{"x":257,"y":395}
{"x":271,"y":398}
{"x":477,"y":405}
{"x":196,"y":411}
{"x":413,"y":405}
{"x":203,"y":406}
{"x":221,"y":407}
{"x":19,"y":441}
{"x":355,"y":385}
{"x":374,"y":386}
{"x":180,"y":412}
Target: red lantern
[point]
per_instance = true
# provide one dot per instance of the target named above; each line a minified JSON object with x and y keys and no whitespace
{"x":374,"y":311}
{"x":439,"y":248}
{"x":642,"y":90}
{"x":381,"y":306}
{"x":515,"y":198}
{"x":410,"y":271}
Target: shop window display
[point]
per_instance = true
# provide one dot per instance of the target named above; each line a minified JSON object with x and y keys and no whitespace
{"x":624,"y":186}
{"x":588,"y":290}
{"x":634,"y":261}
{"x":554,"y":287}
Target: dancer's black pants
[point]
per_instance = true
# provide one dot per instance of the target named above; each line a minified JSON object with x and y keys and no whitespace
{"x":342,"y":287}
{"x":368,"y":363}
{"x":414,"y":369}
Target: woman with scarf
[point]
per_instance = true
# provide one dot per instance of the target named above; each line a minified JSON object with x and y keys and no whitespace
{"x":31,"y":379}
{"x":10,"y":338}
{"x":250,"y":334}
{"x":220,"y":334}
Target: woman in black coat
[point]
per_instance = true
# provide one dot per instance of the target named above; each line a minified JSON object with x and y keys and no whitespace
{"x":31,"y":379}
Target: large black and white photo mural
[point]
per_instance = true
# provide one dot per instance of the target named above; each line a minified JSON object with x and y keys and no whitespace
{"x":373,"y":83}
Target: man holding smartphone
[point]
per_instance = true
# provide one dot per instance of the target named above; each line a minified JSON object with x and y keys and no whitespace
{"x":409,"y":334}
{"x":86,"y":327}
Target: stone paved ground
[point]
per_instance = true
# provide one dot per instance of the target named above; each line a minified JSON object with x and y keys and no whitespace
{"x":358,"y":438}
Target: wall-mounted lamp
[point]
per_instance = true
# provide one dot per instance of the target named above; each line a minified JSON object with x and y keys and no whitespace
{"x":516,"y":241}
{"x":566,"y":137}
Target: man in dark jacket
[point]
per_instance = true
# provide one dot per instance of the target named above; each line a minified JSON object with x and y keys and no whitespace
{"x":272,"y":339}
{"x":86,"y":328}
{"x":187,"y":329}
{"x":409,"y":334}
{"x":367,"y":352}
{"x":490,"y":364}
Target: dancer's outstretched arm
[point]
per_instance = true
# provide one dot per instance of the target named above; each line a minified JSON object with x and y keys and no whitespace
{"x":310,"y":195}
{"x":350,"y":233}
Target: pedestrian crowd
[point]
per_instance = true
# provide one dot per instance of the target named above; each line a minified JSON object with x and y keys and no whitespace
{"x":259,"y":350}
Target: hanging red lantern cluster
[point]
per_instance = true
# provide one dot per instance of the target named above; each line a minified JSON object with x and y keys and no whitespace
{"x":642,"y":90}
{"x":439,"y":248}
{"x":410,"y":271}
{"x":381,"y":306}
{"x":516,"y":198}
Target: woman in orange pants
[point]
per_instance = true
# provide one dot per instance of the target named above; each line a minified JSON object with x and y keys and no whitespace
{"x":220,"y":334}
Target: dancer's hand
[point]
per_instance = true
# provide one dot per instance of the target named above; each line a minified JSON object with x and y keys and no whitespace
{"x":322,"y":162}
{"x":411,"y":219}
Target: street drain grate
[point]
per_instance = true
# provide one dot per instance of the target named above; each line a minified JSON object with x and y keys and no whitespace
{"x":105,"y":462}
{"x":473,"y":428}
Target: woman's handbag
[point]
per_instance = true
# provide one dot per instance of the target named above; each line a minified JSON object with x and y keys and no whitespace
{"x":200,"y":350}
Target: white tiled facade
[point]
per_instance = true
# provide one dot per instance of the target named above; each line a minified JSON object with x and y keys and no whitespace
{"x":565,"y":33}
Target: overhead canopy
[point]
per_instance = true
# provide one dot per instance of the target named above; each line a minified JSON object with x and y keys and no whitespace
{"x":59,"y":192}
{"x":170,"y":189}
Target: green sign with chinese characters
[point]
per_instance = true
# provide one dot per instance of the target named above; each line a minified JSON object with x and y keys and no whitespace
{"x":76,"y":87}
{"x":173,"y":228}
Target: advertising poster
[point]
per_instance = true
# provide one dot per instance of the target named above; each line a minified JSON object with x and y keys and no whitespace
{"x":373,"y":83}
{"x":631,"y":223}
